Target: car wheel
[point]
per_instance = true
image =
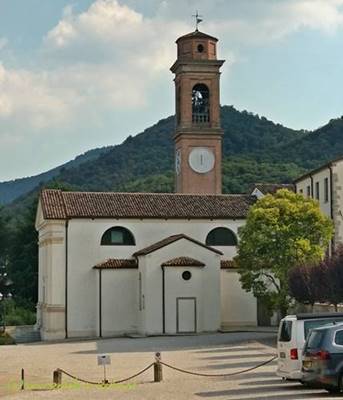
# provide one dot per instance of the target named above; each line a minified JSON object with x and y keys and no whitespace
{"x":333,"y":389}
{"x":340,"y":383}
{"x":338,"y":388}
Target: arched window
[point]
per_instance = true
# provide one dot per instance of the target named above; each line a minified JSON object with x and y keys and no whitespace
{"x":221,"y":237}
{"x":200,"y":104}
{"x":118,"y":236}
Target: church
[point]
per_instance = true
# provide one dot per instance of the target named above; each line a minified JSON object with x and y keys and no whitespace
{"x":114,"y":264}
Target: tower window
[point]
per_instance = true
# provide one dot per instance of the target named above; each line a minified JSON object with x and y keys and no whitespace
{"x":200,"y":48}
{"x":117,"y":236}
{"x":221,"y":237}
{"x":200,"y":104}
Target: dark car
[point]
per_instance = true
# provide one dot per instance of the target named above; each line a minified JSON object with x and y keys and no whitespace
{"x":323,"y":358}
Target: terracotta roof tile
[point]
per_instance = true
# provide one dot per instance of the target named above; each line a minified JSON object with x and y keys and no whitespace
{"x":197,"y":35}
{"x":183,"y":262}
{"x":53,"y":204}
{"x":169,"y":240}
{"x":227,"y":264}
{"x":65,"y":205}
{"x":117,"y":263}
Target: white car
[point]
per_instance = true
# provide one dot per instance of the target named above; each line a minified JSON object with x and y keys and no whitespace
{"x":293,"y":331}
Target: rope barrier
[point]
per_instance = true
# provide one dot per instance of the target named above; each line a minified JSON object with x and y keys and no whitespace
{"x":218,"y":375}
{"x":102,"y":383}
{"x":168,"y":366}
{"x":134,"y":376}
{"x":78,"y":379}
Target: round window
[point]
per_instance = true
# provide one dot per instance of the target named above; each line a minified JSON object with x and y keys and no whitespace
{"x":186,"y":275}
{"x":200,"y":48}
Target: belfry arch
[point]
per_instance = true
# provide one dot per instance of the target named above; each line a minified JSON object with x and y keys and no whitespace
{"x":200,"y":104}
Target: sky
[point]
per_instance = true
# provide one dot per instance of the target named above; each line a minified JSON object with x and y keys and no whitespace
{"x":81,"y":74}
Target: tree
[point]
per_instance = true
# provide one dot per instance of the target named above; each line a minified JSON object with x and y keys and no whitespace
{"x":282,"y":231}
{"x":300,"y":284}
{"x":334,"y":292}
{"x":3,"y":236}
{"x":23,"y":259}
{"x":309,"y":283}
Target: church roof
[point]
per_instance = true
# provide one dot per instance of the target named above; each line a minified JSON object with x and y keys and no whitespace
{"x":171,"y":239}
{"x":57,"y":204}
{"x":183,"y":262}
{"x":197,"y":35}
{"x":271,"y":188}
{"x":117,"y":263}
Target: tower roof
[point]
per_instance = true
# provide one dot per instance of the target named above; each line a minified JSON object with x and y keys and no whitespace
{"x":196,"y":35}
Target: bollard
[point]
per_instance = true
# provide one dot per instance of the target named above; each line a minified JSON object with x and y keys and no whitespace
{"x":158,"y":376}
{"x":57,"y":377}
{"x":158,"y":372}
{"x":22,"y":379}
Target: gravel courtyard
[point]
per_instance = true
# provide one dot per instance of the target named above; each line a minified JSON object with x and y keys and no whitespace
{"x":216,"y":353}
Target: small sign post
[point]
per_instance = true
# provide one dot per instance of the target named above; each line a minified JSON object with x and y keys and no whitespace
{"x":104,"y":359}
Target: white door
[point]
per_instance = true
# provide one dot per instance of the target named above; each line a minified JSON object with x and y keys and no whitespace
{"x":186,"y":315}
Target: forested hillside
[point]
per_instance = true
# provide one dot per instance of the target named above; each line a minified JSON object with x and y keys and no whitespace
{"x":145,"y":162}
{"x":254,"y":148}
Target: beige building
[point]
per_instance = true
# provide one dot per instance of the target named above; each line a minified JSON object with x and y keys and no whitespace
{"x":325,"y":184}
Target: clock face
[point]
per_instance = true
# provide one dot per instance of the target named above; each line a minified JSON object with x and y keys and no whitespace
{"x":178,"y":161}
{"x":201,"y":160}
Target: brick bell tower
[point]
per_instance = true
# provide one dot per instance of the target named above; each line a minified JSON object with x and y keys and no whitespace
{"x":198,"y":136}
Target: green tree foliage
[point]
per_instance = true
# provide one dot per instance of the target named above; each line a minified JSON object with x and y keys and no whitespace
{"x":321,"y":282}
{"x":3,"y":236}
{"x":334,"y":292}
{"x":309,"y":283}
{"x":150,"y":184}
{"x":23,"y":259}
{"x":282,"y":231}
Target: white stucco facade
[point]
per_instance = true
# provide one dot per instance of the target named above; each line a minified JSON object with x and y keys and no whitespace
{"x":325,"y":184}
{"x":149,"y":299}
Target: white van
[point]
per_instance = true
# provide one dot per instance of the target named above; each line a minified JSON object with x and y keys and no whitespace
{"x":293,"y":331}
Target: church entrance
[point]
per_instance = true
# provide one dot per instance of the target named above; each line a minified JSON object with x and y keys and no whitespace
{"x":186,"y":321}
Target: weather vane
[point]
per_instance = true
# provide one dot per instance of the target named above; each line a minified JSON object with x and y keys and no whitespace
{"x":198,"y":19}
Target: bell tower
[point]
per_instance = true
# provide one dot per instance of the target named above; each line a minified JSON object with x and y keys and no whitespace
{"x":198,"y":135}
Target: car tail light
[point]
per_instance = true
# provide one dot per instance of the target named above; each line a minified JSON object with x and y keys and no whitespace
{"x":323,"y":355}
{"x":294,"y":354}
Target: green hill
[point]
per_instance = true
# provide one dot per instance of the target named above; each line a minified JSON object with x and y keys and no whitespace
{"x":145,"y":162}
{"x":254,"y":149}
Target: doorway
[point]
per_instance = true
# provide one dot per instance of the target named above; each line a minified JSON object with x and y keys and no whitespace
{"x":186,"y":311}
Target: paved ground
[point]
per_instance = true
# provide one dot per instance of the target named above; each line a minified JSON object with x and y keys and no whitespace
{"x":217,"y":353}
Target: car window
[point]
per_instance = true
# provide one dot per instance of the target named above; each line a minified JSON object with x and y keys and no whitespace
{"x":316,"y":323}
{"x":285,"y":331}
{"x":314,"y":340}
{"x":339,"y":338}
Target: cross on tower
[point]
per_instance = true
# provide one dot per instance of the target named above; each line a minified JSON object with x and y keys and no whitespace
{"x":198,"y":19}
